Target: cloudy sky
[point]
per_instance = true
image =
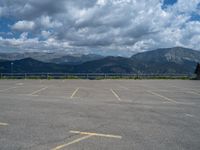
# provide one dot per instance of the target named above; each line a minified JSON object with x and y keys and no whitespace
{"x":107,"y":27}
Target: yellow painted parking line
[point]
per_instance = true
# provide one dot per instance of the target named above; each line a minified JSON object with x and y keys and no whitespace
{"x":38,"y":91}
{"x":159,"y":95}
{"x":72,"y":142}
{"x":8,"y":89}
{"x":87,"y":135}
{"x":3,"y":124}
{"x":96,"y":134}
{"x":115,"y":94}
{"x":74,"y":93}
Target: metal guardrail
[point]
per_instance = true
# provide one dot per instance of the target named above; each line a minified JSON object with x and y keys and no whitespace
{"x":88,"y":76}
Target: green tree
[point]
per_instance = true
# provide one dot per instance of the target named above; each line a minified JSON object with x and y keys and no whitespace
{"x":197,"y":71}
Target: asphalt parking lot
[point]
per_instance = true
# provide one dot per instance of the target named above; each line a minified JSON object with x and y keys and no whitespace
{"x":99,"y":115}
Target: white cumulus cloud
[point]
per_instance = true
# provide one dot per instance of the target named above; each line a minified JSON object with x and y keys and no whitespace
{"x":118,"y":27}
{"x":24,"y":25}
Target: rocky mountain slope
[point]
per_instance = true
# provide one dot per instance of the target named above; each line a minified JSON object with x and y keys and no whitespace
{"x":175,"y":60}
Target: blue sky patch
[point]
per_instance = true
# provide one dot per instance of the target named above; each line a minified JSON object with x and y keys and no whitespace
{"x":170,"y":2}
{"x":5,"y":27}
{"x":195,"y":17}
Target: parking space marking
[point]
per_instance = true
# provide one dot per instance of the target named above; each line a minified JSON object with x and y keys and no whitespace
{"x":166,"y":98}
{"x":97,"y":134}
{"x":188,"y":90}
{"x":19,"y":83}
{"x":72,"y":142}
{"x":192,"y":92}
{"x":86,"y":136}
{"x":38,"y":91}
{"x":115,"y":94}
{"x":189,"y":115}
{"x":74,"y":93}
{"x":123,"y":87}
{"x":3,"y":124}
{"x":8,"y":89}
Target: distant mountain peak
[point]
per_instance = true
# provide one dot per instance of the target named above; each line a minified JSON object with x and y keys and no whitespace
{"x":51,"y":57}
{"x":167,"y":60}
{"x":174,"y":54}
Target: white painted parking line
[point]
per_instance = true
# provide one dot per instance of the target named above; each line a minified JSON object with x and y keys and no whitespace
{"x":123,"y":87}
{"x":72,"y":142}
{"x":159,"y":95}
{"x":8,"y":89}
{"x":189,"y":90}
{"x":38,"y":91}
{"x":97,"y":134}
{"x":74,"y":93}
{"x":192,"y":92}
{"x":115,"y":94}
{"x":3,"y":124}
{"x":19,"y":83}
{"x":189,"y":115}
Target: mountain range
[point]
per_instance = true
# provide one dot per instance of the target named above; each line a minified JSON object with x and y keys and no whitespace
{"x":176,"y":60}
{"x":58,"y":58}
